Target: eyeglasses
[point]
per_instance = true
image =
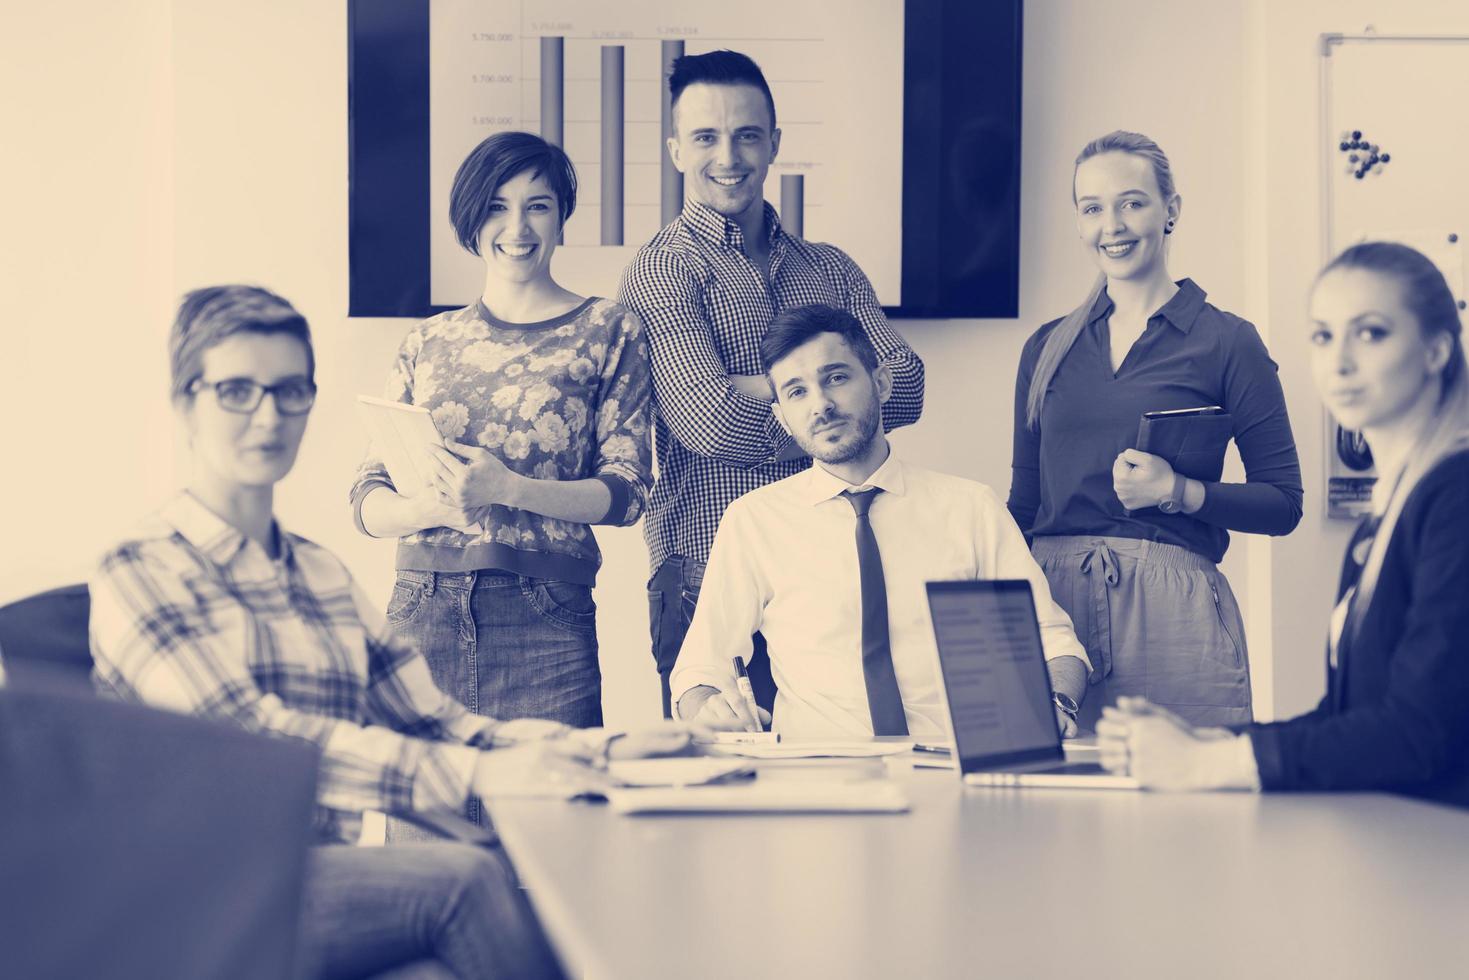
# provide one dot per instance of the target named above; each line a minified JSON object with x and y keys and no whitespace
{"x":293,"y":396}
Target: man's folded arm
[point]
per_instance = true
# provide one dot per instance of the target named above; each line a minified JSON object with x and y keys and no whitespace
{"x":708,"y":411}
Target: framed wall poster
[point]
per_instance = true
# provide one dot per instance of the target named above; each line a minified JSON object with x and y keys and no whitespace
{"x":900,"y":128}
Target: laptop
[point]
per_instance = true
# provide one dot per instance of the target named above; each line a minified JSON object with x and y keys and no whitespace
{"x":1001,"y":721}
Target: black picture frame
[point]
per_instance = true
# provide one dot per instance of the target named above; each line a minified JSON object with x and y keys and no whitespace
{"x":961,"y":159}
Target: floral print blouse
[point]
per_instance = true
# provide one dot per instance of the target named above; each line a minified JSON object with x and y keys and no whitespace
{"x":562,"y":399}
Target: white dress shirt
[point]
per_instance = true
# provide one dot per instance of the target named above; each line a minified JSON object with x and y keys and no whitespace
{"x":784,"y":564}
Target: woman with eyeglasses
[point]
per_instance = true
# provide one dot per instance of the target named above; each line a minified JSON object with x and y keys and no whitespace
{"x":211,"y":608}
{"x":1130,"y":545}
{"x":1388,"y":360}
{"x":544,"y":397}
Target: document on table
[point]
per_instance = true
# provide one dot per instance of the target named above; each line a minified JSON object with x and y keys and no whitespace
{"x":813,"y":749}
{"x":738,"y":738}
{"x":531,"y":771}
{"x":678,"y":771}
{"x":765,"y":796}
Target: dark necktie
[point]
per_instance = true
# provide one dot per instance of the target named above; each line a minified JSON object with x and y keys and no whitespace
{"x":884,"y":700}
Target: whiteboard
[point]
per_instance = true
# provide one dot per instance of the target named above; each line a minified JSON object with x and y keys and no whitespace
{"x":1400,"y":99}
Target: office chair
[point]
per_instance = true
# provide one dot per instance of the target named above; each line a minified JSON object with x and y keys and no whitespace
{"x":44,"y":638}
{"x":44,"y":645}
{"x":137,"y":843}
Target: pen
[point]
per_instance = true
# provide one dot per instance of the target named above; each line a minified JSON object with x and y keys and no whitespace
{"x":935,"y":749}
{"x":742,"y":681}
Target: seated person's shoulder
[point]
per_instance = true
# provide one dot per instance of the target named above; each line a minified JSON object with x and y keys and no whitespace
{"x":152,"y":543}
{"x":1455,"y":466}
{"x":770,"y":495}
{"x":321,"y":565}
{"x":780,"y":497}
{"x":1447,"y":484}
{"x":956,"y":488}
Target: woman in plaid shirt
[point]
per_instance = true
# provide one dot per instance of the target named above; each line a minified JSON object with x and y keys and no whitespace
{"x":210,"y":608}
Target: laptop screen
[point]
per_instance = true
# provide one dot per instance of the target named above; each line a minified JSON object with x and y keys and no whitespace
{"x":999,"y":694}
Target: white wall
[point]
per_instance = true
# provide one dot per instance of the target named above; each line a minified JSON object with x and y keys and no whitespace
{"x":1307,"y":563}
{"x":171,"y":146}
{"x":85,"y":247}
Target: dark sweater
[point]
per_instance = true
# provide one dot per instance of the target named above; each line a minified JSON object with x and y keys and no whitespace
{"x":1396,"y":711}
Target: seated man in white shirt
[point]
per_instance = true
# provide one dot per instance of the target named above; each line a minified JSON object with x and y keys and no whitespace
{"x":833,"y":577}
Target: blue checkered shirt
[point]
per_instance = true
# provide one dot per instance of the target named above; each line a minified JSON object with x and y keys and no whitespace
{"x":189,"y":615}
{"x":706,"y":307}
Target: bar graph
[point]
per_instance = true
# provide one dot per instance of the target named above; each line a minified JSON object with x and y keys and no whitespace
{"x":591,"y":78}
{"x":793,"y":204}
{"x":613,"y":125}
{"x":553,"y":90}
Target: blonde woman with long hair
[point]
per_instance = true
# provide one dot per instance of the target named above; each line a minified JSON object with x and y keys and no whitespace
{"x":1388,"y":360}
{"x":1129,"y":546}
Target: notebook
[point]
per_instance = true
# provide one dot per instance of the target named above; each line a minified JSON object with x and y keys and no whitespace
{"x":813,"y":749}
{"x":1192,"y":440}
{"x":676,"y":771}
{"x":1002,"y":724}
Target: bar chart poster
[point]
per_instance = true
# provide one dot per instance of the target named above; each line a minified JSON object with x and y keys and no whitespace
{"x":590,"y":77}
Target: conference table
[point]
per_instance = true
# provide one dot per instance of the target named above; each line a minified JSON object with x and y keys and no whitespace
{"x":983,"y":882}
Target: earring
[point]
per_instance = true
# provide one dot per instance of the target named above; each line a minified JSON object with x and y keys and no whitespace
{"x":1168,"y":228}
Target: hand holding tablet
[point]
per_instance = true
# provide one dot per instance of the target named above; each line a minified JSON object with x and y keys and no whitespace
{"x":404,"y":436}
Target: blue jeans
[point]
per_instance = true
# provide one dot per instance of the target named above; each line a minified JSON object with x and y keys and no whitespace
{"x":428,"y":910}
{"x":673,"y":594}
{"x":503,"y":645}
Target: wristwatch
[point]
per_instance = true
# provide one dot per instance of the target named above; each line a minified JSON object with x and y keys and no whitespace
{"x":1066,"y":703}
{"x":1173,"y":503}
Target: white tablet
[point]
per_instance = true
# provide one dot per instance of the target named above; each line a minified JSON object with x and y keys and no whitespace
{"x":401,"y":436}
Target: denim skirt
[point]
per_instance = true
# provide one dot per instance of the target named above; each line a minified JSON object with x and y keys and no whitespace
{"x":1157,"y":621}
{"x":504,"y":645}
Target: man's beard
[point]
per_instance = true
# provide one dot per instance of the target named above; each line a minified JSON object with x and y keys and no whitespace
{"x":869,"y":423}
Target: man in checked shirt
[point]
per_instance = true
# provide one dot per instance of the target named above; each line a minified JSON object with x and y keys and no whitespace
{"x":707,"y":287}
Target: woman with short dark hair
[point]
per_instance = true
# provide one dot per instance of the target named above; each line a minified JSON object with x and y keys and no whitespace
{"x":543,"y":395}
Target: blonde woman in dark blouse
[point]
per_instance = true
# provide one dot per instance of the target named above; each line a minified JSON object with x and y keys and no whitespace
{"x":1129,"y":546}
